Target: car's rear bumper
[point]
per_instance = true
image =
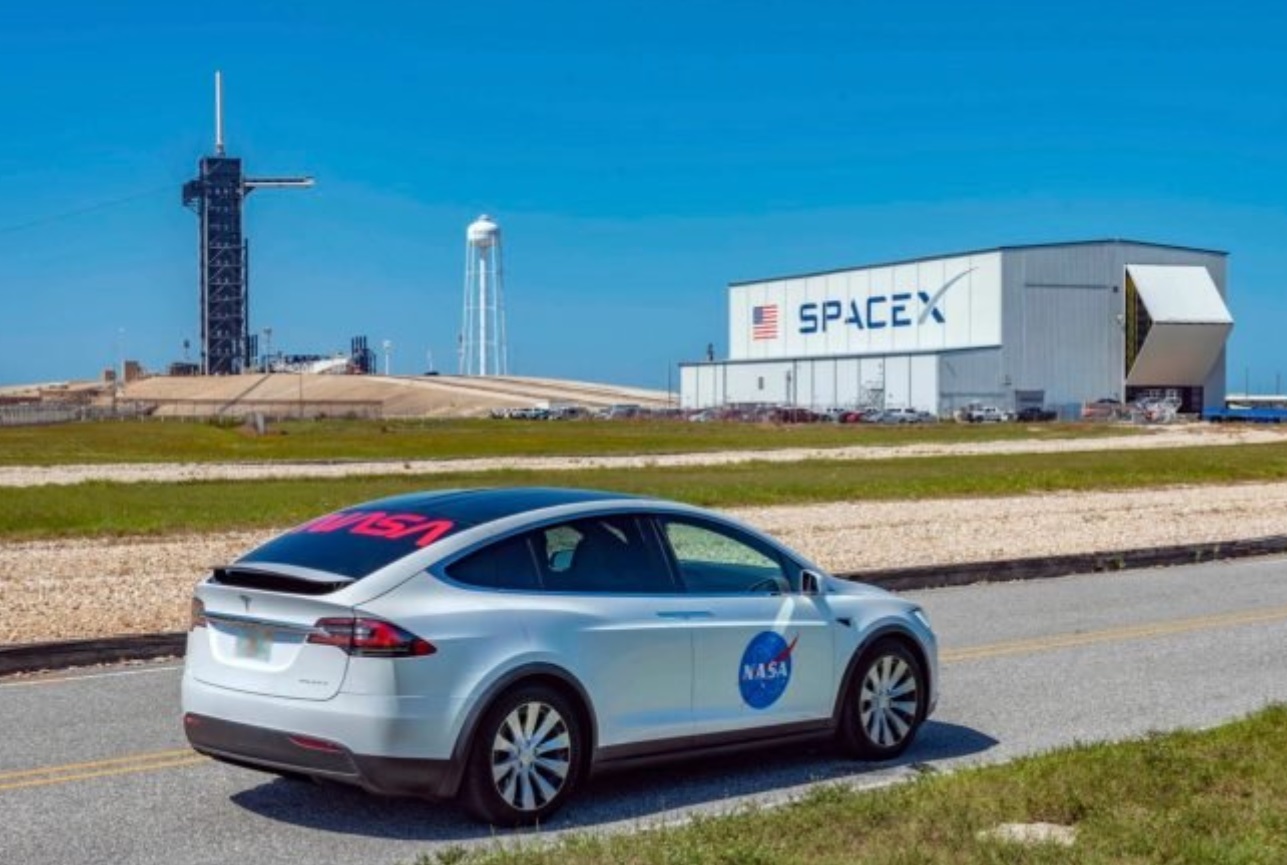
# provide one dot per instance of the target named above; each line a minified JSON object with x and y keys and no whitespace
{"x":283,"y":751}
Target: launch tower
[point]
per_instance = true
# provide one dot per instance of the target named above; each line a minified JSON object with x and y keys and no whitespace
{"x":217,"y":196}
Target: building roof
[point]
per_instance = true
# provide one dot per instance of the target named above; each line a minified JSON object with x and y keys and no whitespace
{"x":1011,"y":248}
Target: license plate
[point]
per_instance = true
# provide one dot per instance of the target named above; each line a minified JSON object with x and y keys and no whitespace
{"x":255,"y":644}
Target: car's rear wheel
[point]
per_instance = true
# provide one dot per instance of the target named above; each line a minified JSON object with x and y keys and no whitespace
{"x":526,"y":758}
{"x":884,"y":704}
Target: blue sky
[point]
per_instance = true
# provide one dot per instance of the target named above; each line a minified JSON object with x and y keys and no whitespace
{"x":639,"y":157}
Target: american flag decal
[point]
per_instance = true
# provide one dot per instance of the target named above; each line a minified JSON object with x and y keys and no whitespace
{"x":764,"y":322}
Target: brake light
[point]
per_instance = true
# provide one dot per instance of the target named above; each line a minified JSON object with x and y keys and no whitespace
{"x":371,"y":638}
{"x":198,"y":619}
{"x":308,"y":743}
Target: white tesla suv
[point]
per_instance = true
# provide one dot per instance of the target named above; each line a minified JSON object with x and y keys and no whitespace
{"x":501,"y":644}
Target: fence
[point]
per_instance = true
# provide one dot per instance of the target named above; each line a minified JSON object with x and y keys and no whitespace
{"x":42,"y":413}
{"x":268,"y":409}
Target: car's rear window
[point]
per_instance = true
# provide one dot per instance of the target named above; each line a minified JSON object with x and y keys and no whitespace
{"x":354,"y":542}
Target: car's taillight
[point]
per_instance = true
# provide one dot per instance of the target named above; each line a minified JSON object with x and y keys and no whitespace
{"x":373,"y":638}
{"x":198,"y":619}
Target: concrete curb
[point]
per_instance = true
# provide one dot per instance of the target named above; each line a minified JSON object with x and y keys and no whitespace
{"x":967,"y":573}
{"x":59,"y":655}
{"x":32,"y":657}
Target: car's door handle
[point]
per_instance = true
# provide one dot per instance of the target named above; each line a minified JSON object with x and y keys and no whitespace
{"x":686,"y":614}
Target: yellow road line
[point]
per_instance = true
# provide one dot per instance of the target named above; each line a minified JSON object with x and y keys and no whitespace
{"x":96,"y":764}
{"x":120,"y":770}
{"x":1113,"y":635}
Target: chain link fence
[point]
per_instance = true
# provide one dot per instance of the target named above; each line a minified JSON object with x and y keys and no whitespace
{"x":43,"y":413}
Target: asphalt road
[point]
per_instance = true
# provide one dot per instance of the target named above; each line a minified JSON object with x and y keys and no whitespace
{"x":93,"y":766}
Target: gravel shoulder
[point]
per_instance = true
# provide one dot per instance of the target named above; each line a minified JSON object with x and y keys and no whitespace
{"x":67,"y":589}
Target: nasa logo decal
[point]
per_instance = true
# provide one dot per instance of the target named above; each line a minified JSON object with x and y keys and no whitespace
{"x":766,"y":669}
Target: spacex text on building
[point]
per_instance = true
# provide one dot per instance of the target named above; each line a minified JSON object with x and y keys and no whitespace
{"x":895,"y":310}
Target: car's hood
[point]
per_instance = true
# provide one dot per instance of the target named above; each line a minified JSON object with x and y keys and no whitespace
{"x":837,"y":586}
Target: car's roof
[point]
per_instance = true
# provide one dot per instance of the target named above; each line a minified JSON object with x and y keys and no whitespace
{"x":475,"y":507}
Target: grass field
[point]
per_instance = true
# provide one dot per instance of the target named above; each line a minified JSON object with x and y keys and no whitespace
{"x":1218,"y":796}
{"x":157,"y":441}
{"x":101,"y":508}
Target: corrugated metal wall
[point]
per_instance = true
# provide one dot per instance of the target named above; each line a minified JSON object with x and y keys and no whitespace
{"x":1064,"y":313}
{"x":1062,"y":334}
{"x":900,"y":381}
{"x":966,"y":377}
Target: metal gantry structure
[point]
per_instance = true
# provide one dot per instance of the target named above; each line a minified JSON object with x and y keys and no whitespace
{"x":217,"y":195}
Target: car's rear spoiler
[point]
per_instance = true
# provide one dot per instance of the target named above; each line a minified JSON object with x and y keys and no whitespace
{"x":289,"y":579}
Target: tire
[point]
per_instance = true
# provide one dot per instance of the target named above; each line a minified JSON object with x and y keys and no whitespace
{"x":884,"y":703}
{"x":526,"y":757}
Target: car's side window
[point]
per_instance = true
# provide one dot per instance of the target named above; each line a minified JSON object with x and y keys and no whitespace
{"x":602,"y":555}
{"x":718,"y":561}
{"x":507,"y":564}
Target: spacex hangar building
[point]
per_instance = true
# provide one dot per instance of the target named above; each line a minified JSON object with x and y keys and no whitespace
{"x":1055,"y":325}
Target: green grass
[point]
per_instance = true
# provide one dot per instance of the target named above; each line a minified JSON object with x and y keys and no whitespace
{"x":157,"y":441}
{"x":101,"y":508}
{"x":1218,"y":796}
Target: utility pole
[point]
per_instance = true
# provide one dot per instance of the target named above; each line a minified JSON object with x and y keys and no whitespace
{"x":120,"y":357}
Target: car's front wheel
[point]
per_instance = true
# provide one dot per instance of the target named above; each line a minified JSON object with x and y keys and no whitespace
{"x":526,"y":758}
{"x":884,"y":703}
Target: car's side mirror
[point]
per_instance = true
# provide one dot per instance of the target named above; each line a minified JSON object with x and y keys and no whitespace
{"x":810,"y":583}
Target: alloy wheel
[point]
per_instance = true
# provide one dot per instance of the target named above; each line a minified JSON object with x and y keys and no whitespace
{"x":531,"y":756}
{"x":887,"y":701}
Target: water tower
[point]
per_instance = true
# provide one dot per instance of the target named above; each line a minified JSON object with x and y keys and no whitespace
{"x":483,"y":350}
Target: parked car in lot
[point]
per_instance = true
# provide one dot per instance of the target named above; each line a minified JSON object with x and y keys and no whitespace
{"x":790,"y":414}
{"x":623,"y":411}
{"x":830,"y":415}
{"x":898,"y":416}
{"x":501,"y":645}
{"x":1035,"y":414}
{"x":984,"y":414}
{"x":567,"y":412}
{"x":906,"y":415}
{"x":524,"y":413}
